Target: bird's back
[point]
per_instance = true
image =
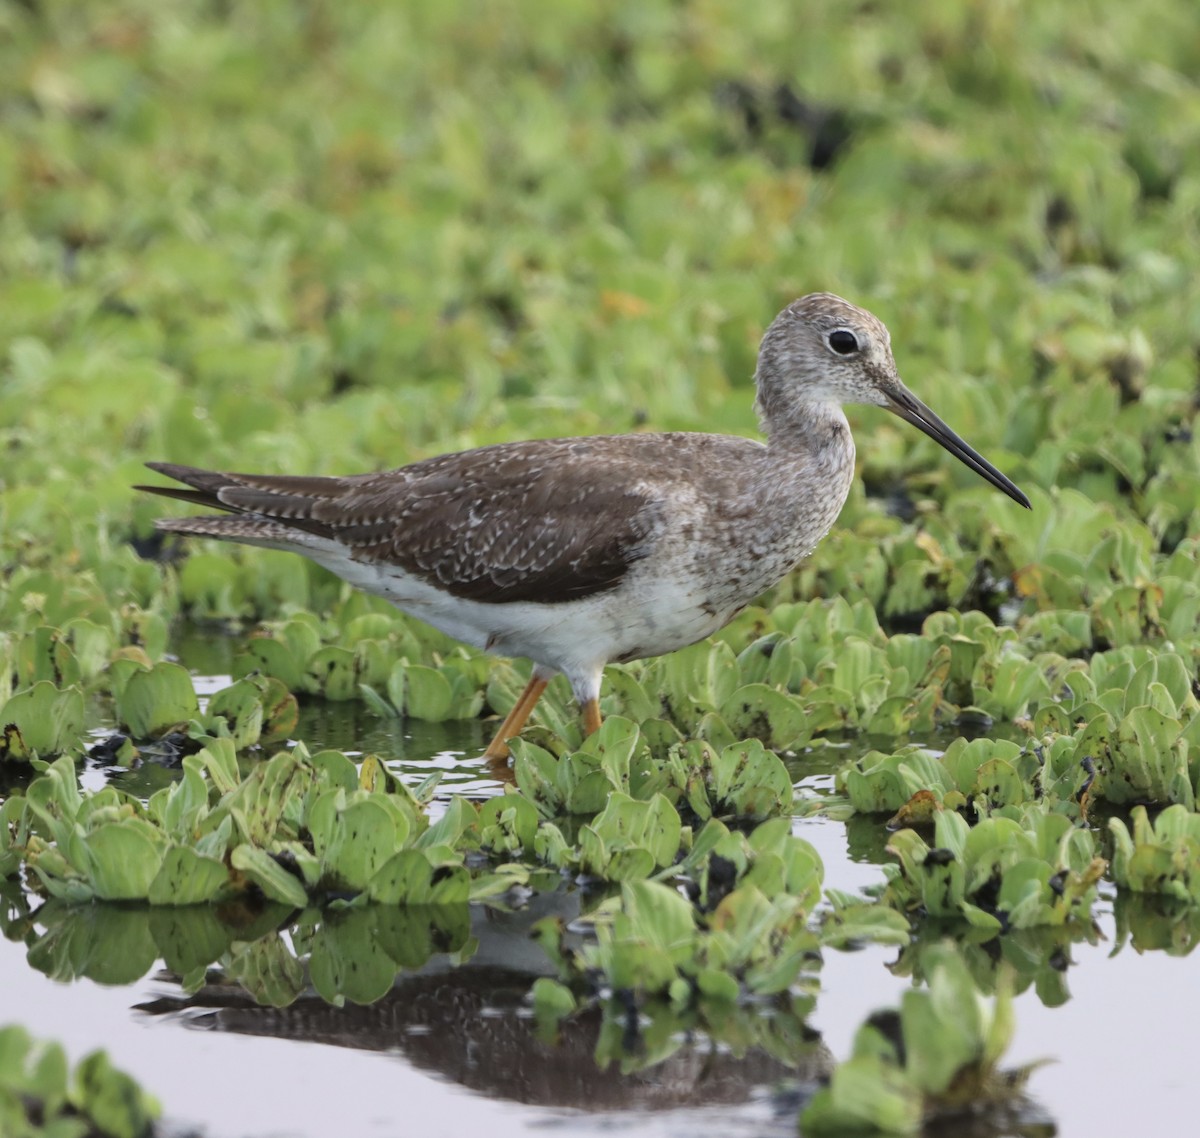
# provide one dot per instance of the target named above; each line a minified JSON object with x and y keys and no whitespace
{"x":548,"y":520}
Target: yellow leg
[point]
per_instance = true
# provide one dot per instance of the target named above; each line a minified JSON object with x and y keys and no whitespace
{"x":591,"y":717}
{"x":497,"y":749}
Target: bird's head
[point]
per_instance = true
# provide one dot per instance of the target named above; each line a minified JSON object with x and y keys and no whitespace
{"x":822,"y":349}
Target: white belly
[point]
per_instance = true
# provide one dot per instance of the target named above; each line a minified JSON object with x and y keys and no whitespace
{"x":647,"y":615}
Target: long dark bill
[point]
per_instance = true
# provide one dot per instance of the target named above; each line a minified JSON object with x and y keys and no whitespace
{"x":905,"y":404}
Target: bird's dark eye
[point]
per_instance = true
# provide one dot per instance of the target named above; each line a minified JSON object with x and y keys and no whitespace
{"x":843,"y":342}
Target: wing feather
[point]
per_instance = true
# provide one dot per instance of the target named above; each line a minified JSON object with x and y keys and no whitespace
{"x":551,"y":521}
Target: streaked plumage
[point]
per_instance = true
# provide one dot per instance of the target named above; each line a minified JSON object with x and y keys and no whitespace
{"x":577,"y":552}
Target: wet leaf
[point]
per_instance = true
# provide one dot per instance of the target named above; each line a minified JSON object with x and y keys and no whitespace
{"x":123,"y":859}
{"x":41,"y":721}
{"x":116,"y":1105}
{"x":156,"y":701}
{"x":187,"y":878}
{"x":261,"y":870}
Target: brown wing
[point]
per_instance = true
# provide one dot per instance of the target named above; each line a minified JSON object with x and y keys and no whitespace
{"x":551,"y":521}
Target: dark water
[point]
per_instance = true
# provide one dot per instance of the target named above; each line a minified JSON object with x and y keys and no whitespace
{"x":452,"y":1046}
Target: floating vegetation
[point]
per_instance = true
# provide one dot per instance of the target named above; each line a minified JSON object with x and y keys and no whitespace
{"x":1162,"y":856}
{"x":741,"y":924}
{"x":1015,"y":869}
{"x":743,"y":781}
{"x":41,"y":1096}
{"x":936,"y":1058}
{"x":295,"y":827}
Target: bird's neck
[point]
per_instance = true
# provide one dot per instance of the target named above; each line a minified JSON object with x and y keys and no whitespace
{"x":808,"y":464}
{"x":815,"y":428}
{"x":793,"y":410}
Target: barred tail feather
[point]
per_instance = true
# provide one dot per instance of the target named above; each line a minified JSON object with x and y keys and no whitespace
{"x":246,"y":529}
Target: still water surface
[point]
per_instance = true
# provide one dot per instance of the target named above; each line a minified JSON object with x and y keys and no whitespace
{"x":450,"y":1051}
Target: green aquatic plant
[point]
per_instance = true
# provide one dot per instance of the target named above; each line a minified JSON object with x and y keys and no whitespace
{"x":306,"y":294}
{"x":1016,"y":869}
{"x":11,"y":810}
{"x":734,"y":914}
{"x":377,"y":656}
{"x":295,"y":827}
{"x":646,"y":829}
{"x":742,"y":780}
{"x":628,"y":840}
{"x":579,"y":782}
{"x":939,"y":1056}
{"x":780,"y":675}
{"x":1122,"y":730}
{"x":982,"y":773}
{"x":1149,"y":759}
{"x":41,"y":721}
{"x":1162,"y":856}
{"x":41,"y":1096}
{"x":300,"y":827}
{"x":155,"y":700}
{"x":652,"y":941}
{"x":1132,"y":720}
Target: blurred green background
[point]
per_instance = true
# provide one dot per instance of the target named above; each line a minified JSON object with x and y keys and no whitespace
{"x":330,"y":237}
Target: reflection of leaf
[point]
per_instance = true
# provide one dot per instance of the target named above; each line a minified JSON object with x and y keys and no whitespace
{"x":189,"y":938}
{"x":1149,"y":921}
{"x":552,"y":1002}
{"x":268,"y":970}
{"x":411,"y":934}
{"x":1033,"y":957}
{"x":107,"y":943}
{"x":741,"y":1029}
{"x":348,"y":962}
{"x":649,"y":935}
{"x":15,"y":919}
{"x":853,"y":922}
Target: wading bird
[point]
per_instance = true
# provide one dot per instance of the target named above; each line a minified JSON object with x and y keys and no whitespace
{"x":583,"y":551}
